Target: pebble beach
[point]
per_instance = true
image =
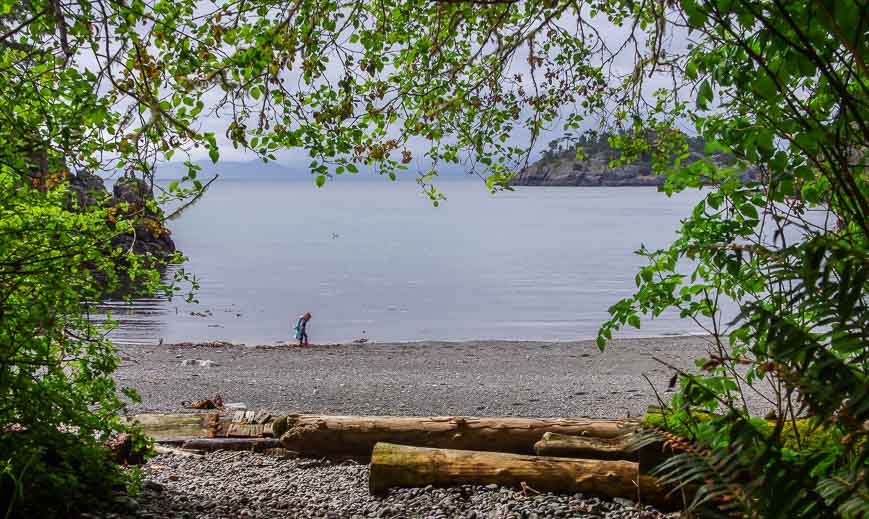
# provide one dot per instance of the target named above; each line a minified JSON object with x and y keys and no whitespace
{"x":490,"y":378}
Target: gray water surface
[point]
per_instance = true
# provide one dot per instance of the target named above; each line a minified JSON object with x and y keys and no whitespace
{"x":376,"y":259}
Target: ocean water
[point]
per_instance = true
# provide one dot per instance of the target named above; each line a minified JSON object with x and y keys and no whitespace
{"x":376,"y":259}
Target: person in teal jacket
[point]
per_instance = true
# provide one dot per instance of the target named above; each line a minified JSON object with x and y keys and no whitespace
{"x":301,"y":329}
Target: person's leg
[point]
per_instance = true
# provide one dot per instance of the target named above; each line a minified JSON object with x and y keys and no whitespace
{"x":305,"y":338}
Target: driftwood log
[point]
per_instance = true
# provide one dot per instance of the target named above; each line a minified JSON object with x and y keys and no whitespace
{"x":232,"y":444}
{"x":587,"y":447}
{"x":355,"y":436}
{"x":554,"y":444}
{"x":403,"y":466}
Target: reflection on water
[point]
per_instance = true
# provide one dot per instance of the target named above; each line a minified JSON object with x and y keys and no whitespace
{"x":375,"y":259}
{"x":141,"y":321}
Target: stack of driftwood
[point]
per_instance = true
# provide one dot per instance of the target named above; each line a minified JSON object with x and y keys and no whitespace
{"x":534,"y":454}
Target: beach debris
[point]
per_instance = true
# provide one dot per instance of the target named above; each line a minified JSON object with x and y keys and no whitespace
{"x":216,"y":402}
{"x":199,"y":362}
{"x":361,"y":340}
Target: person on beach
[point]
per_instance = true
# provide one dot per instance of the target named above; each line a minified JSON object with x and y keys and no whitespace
{"x":301,"y":329}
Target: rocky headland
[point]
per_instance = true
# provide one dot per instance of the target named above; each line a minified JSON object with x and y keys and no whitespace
{"x":560,"y":167}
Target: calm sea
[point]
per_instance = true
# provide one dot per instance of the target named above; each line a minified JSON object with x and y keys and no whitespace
{"x":376,"y":259}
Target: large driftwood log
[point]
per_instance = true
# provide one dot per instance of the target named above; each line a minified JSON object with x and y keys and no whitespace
{"x":314,"y":435}
{"x":403,"y":466}
{"x":177,"y":427}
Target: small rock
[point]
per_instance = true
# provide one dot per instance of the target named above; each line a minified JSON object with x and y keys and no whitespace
{"x":624,"y":502}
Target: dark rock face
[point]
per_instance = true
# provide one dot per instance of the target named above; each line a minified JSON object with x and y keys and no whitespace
{"x":88,"y":188}
{"x":133,"y":198}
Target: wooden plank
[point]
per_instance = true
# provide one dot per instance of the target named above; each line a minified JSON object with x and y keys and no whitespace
{"x":243,"y":430}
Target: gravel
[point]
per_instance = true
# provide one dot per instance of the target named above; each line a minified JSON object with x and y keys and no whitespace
{"x":487,"y":378}
{"x":241,"y":484}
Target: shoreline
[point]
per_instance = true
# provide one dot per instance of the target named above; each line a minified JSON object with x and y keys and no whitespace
{"x":484,"y":378}
{"x":412,"y":342}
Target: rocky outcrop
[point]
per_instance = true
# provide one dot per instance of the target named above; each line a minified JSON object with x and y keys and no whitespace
{"x":131,"y":198}
{"x":135,"y":199}
{"x":592,"y":171}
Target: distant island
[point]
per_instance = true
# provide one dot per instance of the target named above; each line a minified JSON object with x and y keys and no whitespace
{"x":559,"y":165}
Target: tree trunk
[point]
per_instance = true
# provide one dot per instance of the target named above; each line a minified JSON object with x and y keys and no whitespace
{"x":402,"y":466}
{"x":554,"y":444}
{"x":314,"y":435}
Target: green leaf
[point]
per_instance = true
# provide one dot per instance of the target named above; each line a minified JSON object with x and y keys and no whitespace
{"x":704,"y":95}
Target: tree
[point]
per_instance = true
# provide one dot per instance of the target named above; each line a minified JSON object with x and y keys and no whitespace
{"x":107,"y":85}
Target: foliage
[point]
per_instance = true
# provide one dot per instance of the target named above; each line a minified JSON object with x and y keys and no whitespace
{"x":783,"y":87}
{"x":779,"y":85}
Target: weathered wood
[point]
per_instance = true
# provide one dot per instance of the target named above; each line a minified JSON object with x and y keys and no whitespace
{"x":176,"y":427}
{"x":245,"y":430}
{"x":554,"y":444}
{"x":232,"y":444}
{"x":403,"y":466}
{"x":315,"y":435}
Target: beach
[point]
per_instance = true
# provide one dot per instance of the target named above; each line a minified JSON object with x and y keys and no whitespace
{"x":488,"y":378}
{"x":485,"y":378}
